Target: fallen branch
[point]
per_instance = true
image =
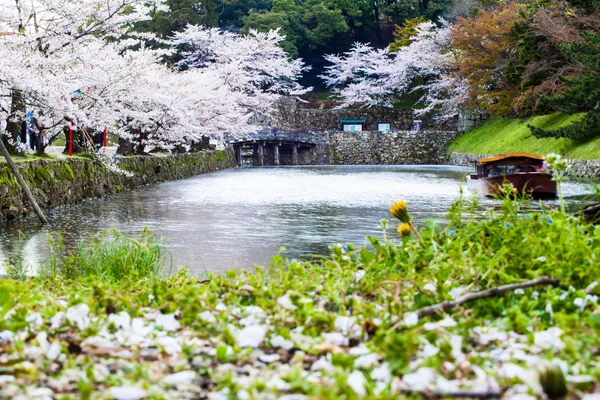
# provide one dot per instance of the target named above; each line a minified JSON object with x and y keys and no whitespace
{"x":458,"y":395}
{"x":441,"y":307}
{"x":438,"y":308}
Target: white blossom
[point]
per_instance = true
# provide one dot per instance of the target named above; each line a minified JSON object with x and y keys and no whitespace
{"x":127,"y":393}
{"x":78,"y":315}
{"x":179,"y":378}
{"x":251,"y":336}
{"x":357,"y":381}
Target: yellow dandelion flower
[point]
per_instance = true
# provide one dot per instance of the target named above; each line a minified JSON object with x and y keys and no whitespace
{"x":404,"y":230}
{"x":398,"y":210}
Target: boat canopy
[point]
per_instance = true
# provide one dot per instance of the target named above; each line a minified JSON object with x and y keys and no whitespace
{"x":512,"y":159}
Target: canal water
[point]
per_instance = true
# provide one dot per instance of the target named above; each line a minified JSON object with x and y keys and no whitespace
{"x":241,"y":217}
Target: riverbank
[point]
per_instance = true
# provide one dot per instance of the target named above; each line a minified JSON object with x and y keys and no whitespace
{"x":504,"y":135}
{"x":356,"y":324}
{"x":56,"y":182}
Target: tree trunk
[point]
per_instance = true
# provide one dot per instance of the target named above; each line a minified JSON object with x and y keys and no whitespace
{"x":14,"y":122}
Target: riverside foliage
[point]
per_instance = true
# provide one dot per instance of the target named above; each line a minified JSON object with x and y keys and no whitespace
{"x":343,"y":326}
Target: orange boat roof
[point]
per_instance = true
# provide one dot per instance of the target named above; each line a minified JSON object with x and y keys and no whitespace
{"x":510,"y":155}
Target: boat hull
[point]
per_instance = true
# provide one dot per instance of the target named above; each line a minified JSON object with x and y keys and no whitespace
{"x":536,"y":184}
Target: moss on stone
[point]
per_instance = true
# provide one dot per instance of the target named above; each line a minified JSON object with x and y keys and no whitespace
{"x":67,"y":171}
{"x":41,"y":174}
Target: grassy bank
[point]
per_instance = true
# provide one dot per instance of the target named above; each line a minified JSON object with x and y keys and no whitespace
{"x":503,"y":135}
{"x":354,"y":324}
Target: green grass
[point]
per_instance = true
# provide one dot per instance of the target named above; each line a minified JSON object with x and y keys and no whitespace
{"x":503,"y":135}
{"x":366,"y":297}
{"x":111,"y":256}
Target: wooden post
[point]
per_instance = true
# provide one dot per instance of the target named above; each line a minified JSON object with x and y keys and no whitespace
{"x":71,"y":138}
{"x":261,"y":157}
{"x":295,"y":155}
{"x":21,"y":181}
{"x":276,"y":154}
{"x":239,"y":154}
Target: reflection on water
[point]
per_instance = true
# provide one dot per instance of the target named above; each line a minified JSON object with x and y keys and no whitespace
{"x":241,"y":217}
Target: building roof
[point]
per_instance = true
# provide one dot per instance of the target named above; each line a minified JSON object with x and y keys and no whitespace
{"x":510,"y":155}
{"x":353,"y":121}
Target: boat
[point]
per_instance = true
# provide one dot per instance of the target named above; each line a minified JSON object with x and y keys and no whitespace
{"x":526,"y":172}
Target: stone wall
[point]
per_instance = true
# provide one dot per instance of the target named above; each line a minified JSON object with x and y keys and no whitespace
{"x":406,"y":147}
{"x":59,"y":182}
{"x":583,"y":169}
{"x":321,"y":120}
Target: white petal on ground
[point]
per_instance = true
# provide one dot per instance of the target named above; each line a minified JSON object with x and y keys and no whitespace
{"x":220,"y":395}
{"x":366,"y":361}
{"x":277,"y":383}
{"x":42,"y":339}
{"x":6,"y":336}
{"x":455,"y":293}
{"x":580,"y":302}
{"x":358,"y":275}
{"x":420,"y":379}
{"x":6,"y":379}
{"x":221,"y":307}
{"x":382,"y":373}
{"x":591,"y":396}
{"x":285,"y":302}
{"x":411,"y":319}
{"x":519,"y":291}
{"x":447,"y":322}
{"x":443,"y":385}
{"x":179,"y":378}
{"x":98,"y":342}
{"x":336,"y":339}
{"x":347,"y":325}
{"x":428,"y":350}
{"x":138,"y":327}
{"x":356,"y":380}
{"x":35,"y":320}
{"x":58,"y":320}
{"x":359,"y":350}
{"x":255,"y":310}
{"x":78,"y":315}
{"x":549,"y":338}
{"x":207,"y":316}
{"x":251,"y":336}
{"x":279,"y":341}
{"x":511,"y":371}
{"x":591,"y":287}
{"x":431,"y":287}
{"x":169,"y":344}
{"x":40,"y":393}
{"x":491,"y":334}
{"x":167,"y":322}
{"x":322,"y":364}
{"x":127,"y":393}
{"x":456,"y":343}
{"x":291,"y":397}
{"x":269,"y":358}
{"x":121,"y":320}
{"x":53,"y":352}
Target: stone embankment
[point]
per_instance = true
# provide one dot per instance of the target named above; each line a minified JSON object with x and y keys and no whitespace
{"x":372,"y":147}
{"x":60,"y":182}
{"x":582,"y":169}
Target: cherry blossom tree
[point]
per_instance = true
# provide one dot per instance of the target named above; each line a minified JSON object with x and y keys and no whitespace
{"x":79,"y":62}
{"x":57,"y":62}
{"x":371,"y":77}
{"x":247,"y":73}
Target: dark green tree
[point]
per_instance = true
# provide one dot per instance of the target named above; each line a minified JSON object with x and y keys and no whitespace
{"x":582,"y":94}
